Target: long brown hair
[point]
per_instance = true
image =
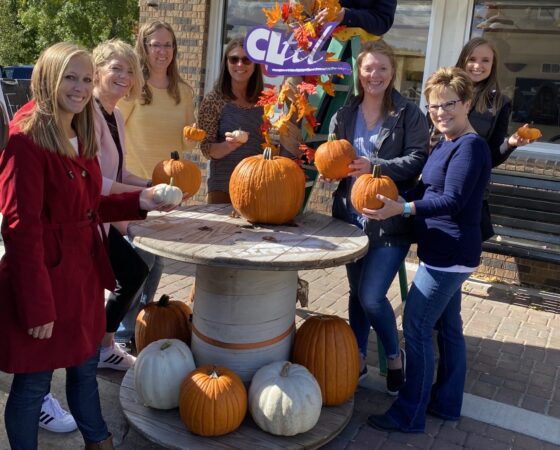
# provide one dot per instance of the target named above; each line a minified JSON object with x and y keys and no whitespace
{"x":382,"y":48}
{"x":487,"y":92}
{"x":223,"y":85}
{"x":43,"y":121}
{"x":146,"y":30}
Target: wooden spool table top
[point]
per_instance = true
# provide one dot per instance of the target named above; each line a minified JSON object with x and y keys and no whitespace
{"x":208,"y":234}
{"x":165,"y":428}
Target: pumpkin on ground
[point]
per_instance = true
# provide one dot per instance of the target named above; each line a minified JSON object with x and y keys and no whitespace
{"x":333,"y":157}
{"x":193,"y":133}
{"x":163,"y":319}
{"x":213,"y":401}
{"x":326,"y":345}
{"x":526,"y":132}
{"x":267,"y":189}
{"x":159,"y":372}
{"x":366,"y":188}
{"x":284,"y":399}
{"x":186,"y":174}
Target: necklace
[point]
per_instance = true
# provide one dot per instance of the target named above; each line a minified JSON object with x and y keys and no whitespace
{"x":370,"y":122}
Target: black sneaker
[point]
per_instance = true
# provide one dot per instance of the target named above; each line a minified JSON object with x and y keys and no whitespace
{"x":396,"y":377}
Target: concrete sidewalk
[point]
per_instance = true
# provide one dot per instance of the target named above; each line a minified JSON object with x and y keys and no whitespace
{"x":511,"y":400}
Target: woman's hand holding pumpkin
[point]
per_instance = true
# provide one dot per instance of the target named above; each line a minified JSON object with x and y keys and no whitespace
{"x":42,"y":331}
{"x":515,"y":140}
{"x":232,"y":143}
{"x":360,"y":166}
{"x":390,"y":208}
{"x":162,"y":197}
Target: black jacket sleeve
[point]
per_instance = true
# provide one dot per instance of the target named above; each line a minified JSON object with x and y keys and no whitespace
{"x":374,"y":16}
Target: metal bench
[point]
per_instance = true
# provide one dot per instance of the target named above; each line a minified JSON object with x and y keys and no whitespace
{"x":525,"y":211}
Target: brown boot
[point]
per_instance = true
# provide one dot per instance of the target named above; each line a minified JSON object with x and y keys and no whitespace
{"x":107,"y":444}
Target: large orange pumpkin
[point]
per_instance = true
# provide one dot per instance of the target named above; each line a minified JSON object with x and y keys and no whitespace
{"x":529,"y":133}
{"x":213,"y":401}
{"x":366,"y":188}
{"x":164,"y":319}
{"x":333,"y":157}
{"x":267,"y":189}
{"x":326,"y":345}
{"x":186,"y":174}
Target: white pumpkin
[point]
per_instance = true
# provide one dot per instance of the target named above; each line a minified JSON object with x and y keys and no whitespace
{"x":285,"y":399}
{"x":159,"y":371}
{"x":167,"y":194}
{"x":240,"y":136}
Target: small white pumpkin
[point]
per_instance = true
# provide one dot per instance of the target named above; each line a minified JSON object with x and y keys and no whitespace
{"x":159,"y":371}
{"x":240,"y":136}
{"x":167,"y":194}
{"x":285,"y":399}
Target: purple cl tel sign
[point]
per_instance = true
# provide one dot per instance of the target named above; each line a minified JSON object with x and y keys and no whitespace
{"x":279,"y":52}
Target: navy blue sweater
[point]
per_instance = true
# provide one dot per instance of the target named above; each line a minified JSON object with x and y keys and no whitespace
{"x":374,"y":16}
{"x":448,"y":202}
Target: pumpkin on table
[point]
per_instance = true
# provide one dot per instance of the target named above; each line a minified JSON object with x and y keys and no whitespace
{"x":159,"y":372}
{"x":267,"y":189}
{"x":326,"y":345}
{"x":213,"y":401}
{"x":186,"y":174}
{"x":367,"y":186}
{"x":284,"y":399}
{"x":333,"y":157}
{"x":163,"y":319}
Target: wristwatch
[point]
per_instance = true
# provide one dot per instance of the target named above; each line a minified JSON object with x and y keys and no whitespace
{"x":406,"y":210}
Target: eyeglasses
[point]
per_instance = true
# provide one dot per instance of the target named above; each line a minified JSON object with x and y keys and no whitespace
{"x":157,"y":47}
{"x":447,"y":106}
{"x":234,"y":60}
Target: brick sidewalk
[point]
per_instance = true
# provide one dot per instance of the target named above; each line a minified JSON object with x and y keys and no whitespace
{"x":513,"y":342}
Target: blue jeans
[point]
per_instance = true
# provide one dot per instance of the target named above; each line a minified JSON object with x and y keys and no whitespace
{"x":146,"y":295}
{"x":370,"y":278}
{"x":23,"y":407}
{"x":434,"y":301}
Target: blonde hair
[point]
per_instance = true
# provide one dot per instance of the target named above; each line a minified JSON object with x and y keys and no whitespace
{"x":385,"y":49}
{"x":146,"y":30}
{"x":453,"y":78}
{"x":115,"y":48}
{"x":43,"y":122}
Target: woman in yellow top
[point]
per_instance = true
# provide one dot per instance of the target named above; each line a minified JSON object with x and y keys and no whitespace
{"x":154,"y":122}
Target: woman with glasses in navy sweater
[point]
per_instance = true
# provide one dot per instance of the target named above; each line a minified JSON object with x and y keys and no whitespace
{"x":446,"y":206}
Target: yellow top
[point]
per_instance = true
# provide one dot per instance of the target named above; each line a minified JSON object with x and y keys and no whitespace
{"x":153,"y":131}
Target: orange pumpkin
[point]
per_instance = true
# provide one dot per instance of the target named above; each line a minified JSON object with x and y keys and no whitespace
{"x":368,"y":186}
{"x":163,"y":320}
{"x":333,"y":157}
{"x":213,"y":401}
{"x":186,"y":174}
{"x":326,"y":345}
{"x":193,"y":133}
{"x":532,"y":134}
{"x":267,"y":189}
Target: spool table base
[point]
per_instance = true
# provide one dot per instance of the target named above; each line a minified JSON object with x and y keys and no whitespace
{"x":166,"y":429}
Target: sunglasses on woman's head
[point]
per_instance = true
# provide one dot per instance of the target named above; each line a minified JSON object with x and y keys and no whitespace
{"x":234,"y":60}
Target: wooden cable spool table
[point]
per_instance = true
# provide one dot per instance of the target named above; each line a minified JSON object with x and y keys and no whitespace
{"x":244,"y":306}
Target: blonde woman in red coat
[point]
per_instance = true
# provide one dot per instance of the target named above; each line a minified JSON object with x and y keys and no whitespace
{"x":55,"y":268}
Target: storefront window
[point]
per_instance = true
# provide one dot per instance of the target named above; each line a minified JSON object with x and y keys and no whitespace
{"x":409,"y":38}
{"x":527,"y":37}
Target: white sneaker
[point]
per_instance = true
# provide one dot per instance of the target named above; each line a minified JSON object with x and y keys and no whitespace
{"x":54,"y":418}
{"x":115,"y":357}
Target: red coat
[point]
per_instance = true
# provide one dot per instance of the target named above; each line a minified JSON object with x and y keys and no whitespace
{"x":55,"y":266}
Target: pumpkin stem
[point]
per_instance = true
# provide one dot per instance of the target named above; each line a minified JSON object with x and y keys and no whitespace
{"x":171,"y":181}
{"x":163,"y":301}
{"x":267,"y":153}
{"x":175,"y":155}
{"x":285,"y":369}
{"x":376,"y":171}
{"x":165,"y":345}
{"x":214,"y":373}
{"x":331,"y":137}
